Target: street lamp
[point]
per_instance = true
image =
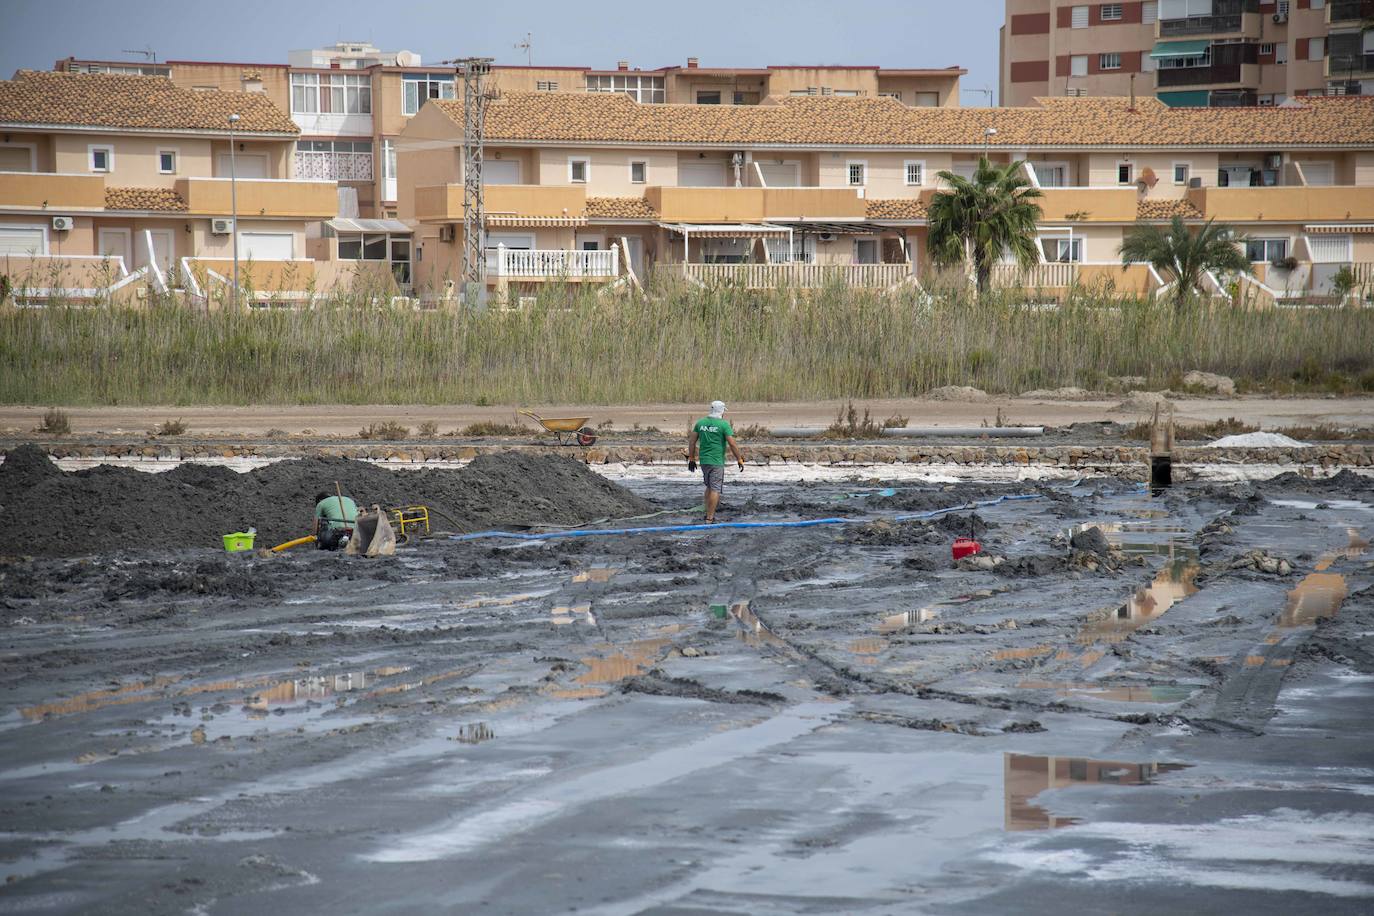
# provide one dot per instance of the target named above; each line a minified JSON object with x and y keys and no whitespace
{"x":234,"y":205}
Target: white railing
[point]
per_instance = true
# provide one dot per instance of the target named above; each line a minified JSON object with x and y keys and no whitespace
{"x":552,"y":263}
{"x":802,"y":276}
{"x":1039,"y":276}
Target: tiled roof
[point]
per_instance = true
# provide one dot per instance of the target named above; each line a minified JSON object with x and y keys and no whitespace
{"x":137,"y":102}
{"x":620,"y":208}
{"x":807,"y":121}
{"x":164,"y":199}
{"x":1166,"y":209}
{"x":910,"y":208}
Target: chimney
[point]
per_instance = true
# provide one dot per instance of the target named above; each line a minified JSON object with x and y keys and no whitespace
{"x":622,"y":65}
{"x":692,"y":63}
{"x":1132,"y":92}
{"x":250,"y":81}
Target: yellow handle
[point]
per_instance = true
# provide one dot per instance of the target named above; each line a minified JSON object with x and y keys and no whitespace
{"x":308,"y":539}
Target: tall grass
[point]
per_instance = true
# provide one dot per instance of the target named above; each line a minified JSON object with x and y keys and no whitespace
{"x":687,"y":344}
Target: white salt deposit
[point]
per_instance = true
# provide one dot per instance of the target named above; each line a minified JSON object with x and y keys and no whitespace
{"x":1257,"y":440}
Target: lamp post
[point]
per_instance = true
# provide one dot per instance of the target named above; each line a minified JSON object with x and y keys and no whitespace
{"x":234,"y":206}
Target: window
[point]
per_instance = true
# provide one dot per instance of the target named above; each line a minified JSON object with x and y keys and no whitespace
{"x":1283,"y":8}
{"x":388,"y":170}
{"x":1270,"y":250}
{"x":915,"y":173}
{"x":546,"y":85}
{"x":803,"y":250}
{"x":1266,"y":50}
{"x":927,"y":100}
{"x":418,"y":88}
{"x":1111,"y":12}
{"x":1075,"y":91}
{"x":372,"y":246}
{"x":708,"y":98}
{"x":102,"y":158}
{"x":643,"y":89}
{"x":167,"y":161}
{"x":1078,"y":65}
{"x":1265,"y":101}
{"x":1109,"y":61}
{"x":857,"y":173}
{"x":578,"y":169}
{"x":639,"y":172}
{"x":1149,"y":11}
{"x":330,"y":93}
{"x":746,"y":98}
{"x":1281,"y":52}
{"x":334,"y":160}
{"x":1052,"y":174}
{"x":1181,"y":170}
{"x":848,"y":93}
{"x":1079,"y":17}
{"x":1123,"y":173}
{"x":1316,"y":49}
{"x":1063,"y":250}
{"x":890,"y":95}
{"x":810,"y":90}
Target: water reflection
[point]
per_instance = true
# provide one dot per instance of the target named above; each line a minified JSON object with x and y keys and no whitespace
{"x":1174,"y":582}
{"x":1118,"y":694}
{"x":1025,"y":776}
{"x":1321,"y":593}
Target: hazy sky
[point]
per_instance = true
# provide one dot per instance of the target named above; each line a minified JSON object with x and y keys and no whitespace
{"x":895,"y":33}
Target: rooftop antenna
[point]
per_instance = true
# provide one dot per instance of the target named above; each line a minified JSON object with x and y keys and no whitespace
{"x":986,"y":92}
{"x":528,"y":47}
{"x":148,"y":53}
{"x":473,"y":71}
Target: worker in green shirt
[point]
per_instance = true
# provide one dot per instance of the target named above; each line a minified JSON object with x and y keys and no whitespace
{"x":706,"y":444}
{"x":335,"y":517}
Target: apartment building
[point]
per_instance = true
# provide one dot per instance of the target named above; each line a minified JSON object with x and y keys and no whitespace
{"x":1188,"y":52}
{"x":120,"y":182}
{"x":598,"y":188}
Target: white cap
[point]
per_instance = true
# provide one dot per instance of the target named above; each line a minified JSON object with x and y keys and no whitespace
{"x":717,"y":409}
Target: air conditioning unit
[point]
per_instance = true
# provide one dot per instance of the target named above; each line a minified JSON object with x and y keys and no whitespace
{"x":61,"y":223}
{"x":1194,"y":182}
{"x":1280,"y":18}
{"x":446,"y":232}
{"x":1273,"y":161}
{"x":826,"y":236}
{"x":221,"y":226}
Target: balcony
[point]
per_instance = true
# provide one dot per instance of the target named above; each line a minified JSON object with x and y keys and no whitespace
{"x":745,"y":205}
{"x":1197,"y":76}
{"x":1349,"y":11}
{"x":552,"y":264}
{"x":1199,"y":25}
{"x":1088,"y":204}
{"x":444,"y":203}
{"x":261,"y":197}
{"x":798,"y":276}
{"x":1344,"y":66}
{"x":50,"y":191}
{"x":1284,"y":204}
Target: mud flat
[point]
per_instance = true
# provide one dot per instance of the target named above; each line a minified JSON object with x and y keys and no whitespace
{"x":1139,"y":704}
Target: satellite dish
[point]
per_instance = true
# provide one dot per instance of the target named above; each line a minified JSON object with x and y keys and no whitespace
{"x":407,"y":59}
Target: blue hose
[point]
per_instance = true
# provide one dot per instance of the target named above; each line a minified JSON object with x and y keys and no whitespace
{"x":807,"y":523}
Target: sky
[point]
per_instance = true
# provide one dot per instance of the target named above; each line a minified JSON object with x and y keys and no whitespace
{"x":894,"y":33}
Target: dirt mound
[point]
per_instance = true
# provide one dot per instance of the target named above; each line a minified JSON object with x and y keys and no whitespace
{"x":1091,"y":540}
{"x":108,"y":508}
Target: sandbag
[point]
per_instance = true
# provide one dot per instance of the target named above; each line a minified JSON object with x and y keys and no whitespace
{"x":373,"y":535}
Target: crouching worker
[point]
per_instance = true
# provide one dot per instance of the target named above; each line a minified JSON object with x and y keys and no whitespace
{"x":335,"y":517}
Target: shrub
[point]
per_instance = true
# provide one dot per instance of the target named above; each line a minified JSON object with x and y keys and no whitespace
{"x":848,"y":424}
{"x":390,"y":431}
{"x":429,"y":429}
{"x":170,"y":428}
{"x":55,"y":423}
{"x":491,"y":428}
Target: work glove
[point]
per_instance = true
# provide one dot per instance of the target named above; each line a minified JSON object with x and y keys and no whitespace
{"x":691,"y":465}
{"x":741,"y":466}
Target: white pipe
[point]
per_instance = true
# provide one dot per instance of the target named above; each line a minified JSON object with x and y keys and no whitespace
{"x":965,"y":432}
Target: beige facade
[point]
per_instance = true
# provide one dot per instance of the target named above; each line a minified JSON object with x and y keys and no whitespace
{"x":1248,"y":52}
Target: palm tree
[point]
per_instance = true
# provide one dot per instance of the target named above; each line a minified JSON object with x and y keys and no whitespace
{"x":1185,"y":255}
{"x":992,"y":215}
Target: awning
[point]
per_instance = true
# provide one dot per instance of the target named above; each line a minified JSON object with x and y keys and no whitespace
{"x":1340,"y":228}
{"x":1195,"y":48}
{"x":394,"y":226}
{"x":819,"y":227}
{"x":727,"y":230}
{"x":516,"y":219}
{"x":1188,"y":98}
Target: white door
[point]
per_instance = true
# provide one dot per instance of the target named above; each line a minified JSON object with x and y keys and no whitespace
{"x":246,"y":165}
{"x":117,"y":243}
{"x":635,"y":245}
{"x":1330,"y":249}
{"x":701,"y":174}
{"x":865,"y":251}
{"x":23,"y":240}
{"x":266,"y":246}
{"x":1319,"y":174}
{"x":784,"y":175}
{"x":162,"y":248}
{"x":518,"y":241}
{"x":500,"y":171}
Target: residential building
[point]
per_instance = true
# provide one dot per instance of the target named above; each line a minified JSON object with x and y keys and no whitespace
{"x":599,"y":188}
{"x":1188,"y":52}
{"x":123,"y":181}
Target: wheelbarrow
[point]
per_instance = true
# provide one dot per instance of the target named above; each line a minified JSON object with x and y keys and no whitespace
{"x":577,"y":427}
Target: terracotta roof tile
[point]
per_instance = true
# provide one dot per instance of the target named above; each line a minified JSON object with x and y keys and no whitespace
{"x":136,"y":102}
{"x":808,"y":121}
{"x":1166,"y":209}
{"x":620,"y":208}
{"x":912,"y":208}
{"x":163,"y":199}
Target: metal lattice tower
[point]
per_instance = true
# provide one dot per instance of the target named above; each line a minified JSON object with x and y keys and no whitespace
{"x":472,"y":72}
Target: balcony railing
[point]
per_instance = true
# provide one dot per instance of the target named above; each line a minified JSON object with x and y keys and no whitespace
{"x":1199,"y":25}
{"x":552,"y":263}
{"x":798,"y":276}
{"x":1350,"y":10}
{"x":1342,"y":65}
{"x":1198,"y":76}
{"x":1041,"y":276}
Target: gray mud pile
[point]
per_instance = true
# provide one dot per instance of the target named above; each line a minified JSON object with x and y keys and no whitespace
{"x":50,"y":512}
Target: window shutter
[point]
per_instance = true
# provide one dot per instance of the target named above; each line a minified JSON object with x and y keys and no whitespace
{"x":1300,"y":49}
{"x":1080,"y":17}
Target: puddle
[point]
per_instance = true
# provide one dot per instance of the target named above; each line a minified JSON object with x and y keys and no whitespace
{"x":894,"y":623}
{"x":1144,"y":538}
{"x":632,"y":659}
{"x":1002,"y":655}
{"x":1026,"y":776}
{"x":563,"y":615}
{"x":1174,"y":582}
{"x":1321,"y":593}
{"x":868,"y":649}
{"x":596,"y":574}
{"x":754,"y":632}
{"x":474,"y":733}
{"x":1120,"y":694}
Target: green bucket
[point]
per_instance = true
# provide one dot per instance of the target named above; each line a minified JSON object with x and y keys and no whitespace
{"x":720,"y":611}
{"x":239,"y":540}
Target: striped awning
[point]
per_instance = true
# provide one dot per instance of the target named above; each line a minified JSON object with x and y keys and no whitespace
{"x":1195,"y":48}
{"x":1339,"y":228}
{"x":516,"y":219}
{"x":727,"y":230}
{"x":344,"y":224}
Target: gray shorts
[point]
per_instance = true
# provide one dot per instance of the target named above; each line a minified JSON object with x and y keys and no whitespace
{"x":714,"y":475}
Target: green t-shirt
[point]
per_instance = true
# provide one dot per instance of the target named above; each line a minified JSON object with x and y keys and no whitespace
{"x":328,"y":509}
{"x":711,"y":433}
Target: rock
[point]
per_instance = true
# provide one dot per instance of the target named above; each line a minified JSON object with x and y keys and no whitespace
{"x":691,"y":652}
{"x":1057,"y":394}
{"x":1144,"y":401}
{"x":960,"y":393}
{"x":1216,"y":384}
{"x":1091,"y":540}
